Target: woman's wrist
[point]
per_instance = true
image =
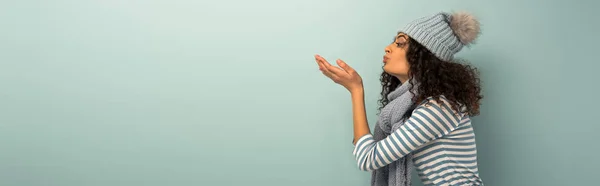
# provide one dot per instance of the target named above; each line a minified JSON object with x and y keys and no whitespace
{"x":359,"y":91}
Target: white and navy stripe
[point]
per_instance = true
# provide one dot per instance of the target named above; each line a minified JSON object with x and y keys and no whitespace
{"x":442,"y":143}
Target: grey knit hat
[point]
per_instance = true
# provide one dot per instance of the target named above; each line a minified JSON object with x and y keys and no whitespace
{"x":443,"y":33}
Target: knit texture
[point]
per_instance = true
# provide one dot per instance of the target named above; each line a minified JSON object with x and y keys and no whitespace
{"x":397,"y":173}
{"x":444,"y":34}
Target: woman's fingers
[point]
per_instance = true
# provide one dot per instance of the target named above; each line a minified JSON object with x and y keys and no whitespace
{"x":333,"y":69}
{"x":343,"y":75}
{"x":345,"y":66}
{"x":336,"y":70}
{"x":323,"y":67}
{"x":318,"y":60}
{"x":322,"y":63}
{"x":337,"y":74}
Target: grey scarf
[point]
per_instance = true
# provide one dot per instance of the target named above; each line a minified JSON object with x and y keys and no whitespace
{"x":398,"y":173}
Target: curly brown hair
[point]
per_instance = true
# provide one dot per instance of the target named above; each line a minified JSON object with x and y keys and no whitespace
{"x":458,"y":82}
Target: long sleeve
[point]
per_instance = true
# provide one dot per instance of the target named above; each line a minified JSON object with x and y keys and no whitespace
{"x":427,"y":123}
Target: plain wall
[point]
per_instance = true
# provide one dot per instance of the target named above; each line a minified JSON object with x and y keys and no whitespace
{"x":182,"y":92}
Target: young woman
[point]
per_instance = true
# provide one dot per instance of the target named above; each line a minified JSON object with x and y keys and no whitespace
{"x":427,"y":99}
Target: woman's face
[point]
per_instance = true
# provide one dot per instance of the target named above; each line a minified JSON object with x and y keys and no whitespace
{"x":395,"y":62}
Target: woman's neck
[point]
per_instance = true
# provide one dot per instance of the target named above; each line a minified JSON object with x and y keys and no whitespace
{"x":402,"y":79}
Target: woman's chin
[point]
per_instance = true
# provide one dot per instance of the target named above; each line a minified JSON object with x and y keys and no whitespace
{"x":386,"y":68}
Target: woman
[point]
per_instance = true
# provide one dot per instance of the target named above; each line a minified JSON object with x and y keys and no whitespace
{"x":427,"y":100}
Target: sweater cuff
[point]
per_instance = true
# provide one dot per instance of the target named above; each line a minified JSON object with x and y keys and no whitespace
{"x":366,"y":139}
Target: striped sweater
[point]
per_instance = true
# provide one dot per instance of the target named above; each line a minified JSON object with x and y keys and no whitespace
{"x":441,"y":141}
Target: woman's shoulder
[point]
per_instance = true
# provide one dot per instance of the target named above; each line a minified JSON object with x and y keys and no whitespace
{"x":440,"y":100}
{"x":439,"y":104}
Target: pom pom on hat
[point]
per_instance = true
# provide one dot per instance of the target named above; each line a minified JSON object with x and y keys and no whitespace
{"x":444,"y":34}
{"x":465,"y":26}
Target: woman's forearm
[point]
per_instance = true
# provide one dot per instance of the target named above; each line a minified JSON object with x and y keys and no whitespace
{"x":361,"y":126}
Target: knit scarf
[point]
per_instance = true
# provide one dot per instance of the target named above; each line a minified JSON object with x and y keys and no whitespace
{"x":398,"y":173}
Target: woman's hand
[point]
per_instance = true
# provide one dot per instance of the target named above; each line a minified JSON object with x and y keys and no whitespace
{"x":345,"y":76}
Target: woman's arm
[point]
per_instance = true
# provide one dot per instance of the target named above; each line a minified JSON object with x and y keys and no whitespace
{"x":428,"y":122}
{"x":349,"y":78}
{"x":359,"y":116}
